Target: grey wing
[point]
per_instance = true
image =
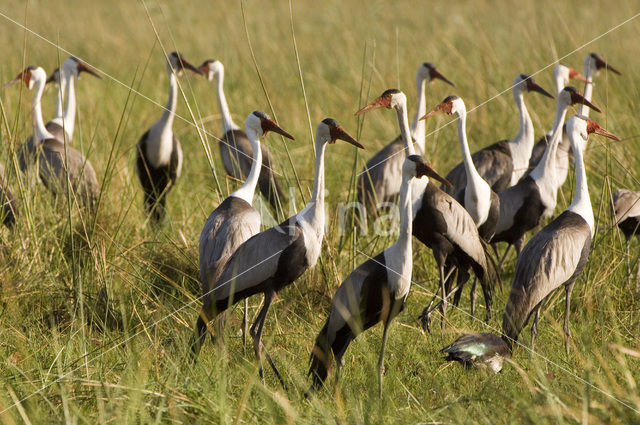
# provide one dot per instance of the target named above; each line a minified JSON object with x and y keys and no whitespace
{"x":511,"y":200}
{"x":56,"y":130}
{"x":81,"y":173}
{"x":381,"y":178}
{"x":552,"y":257}
{"x":220,"y":238}
{"x":27,"y":154}
{"x":256,"y":260}
{"x":461,"y":229}
{"x":626,"y":203}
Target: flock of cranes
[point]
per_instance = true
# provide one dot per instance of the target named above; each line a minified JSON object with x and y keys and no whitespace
{"x":496,"y":194}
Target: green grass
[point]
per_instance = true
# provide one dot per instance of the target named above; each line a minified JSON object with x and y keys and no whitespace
{"x":96,"y":314}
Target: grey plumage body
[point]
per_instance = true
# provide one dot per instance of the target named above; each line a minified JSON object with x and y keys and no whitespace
{"x":626,"y":209}
{"x":53,"y":160}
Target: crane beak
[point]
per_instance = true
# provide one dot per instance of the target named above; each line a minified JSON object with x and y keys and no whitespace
{"x":187,"y":65}
{"x":423,"y":169}
{"x":573,"y":74}
{"x":594,"y":127}
{"x":381,"y":102}
{"x":338,"y":132}
{"x":600,"y":63}
{"x":437,"y":74}
{"x":23,"y":76}
{"x":578,"y":98}
{"x":83,"y":67}
{"x":533,"y":86}
{"x":269,"y":125}
{"x":443,"y":108}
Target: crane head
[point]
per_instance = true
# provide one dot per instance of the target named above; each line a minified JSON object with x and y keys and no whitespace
{"x":450,"y":105}
{"x":388,"y":99}
{"x":430,"y":73}
{"x":263,"y":124}
{"x":571,"y":96}
{"x":531,"y":85}
{"x":594,"y":60}
{"x":211,"y":68}
{"x":594,"y":127}
{"x":76,"y":66}
{"x":416,"y":166}
{"x":54,"y":77}
{"x":178,"y":64}
{"x":29,"y":76}
{"x":329,"y":130}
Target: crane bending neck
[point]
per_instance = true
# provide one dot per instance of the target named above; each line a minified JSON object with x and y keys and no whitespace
{"x":418,"y":126}
{"x":470,"y":169}
{"x":40,"y":131}
{"x":60,"y":93}
{"x":227,"y":121}
{"x":248,"y":188}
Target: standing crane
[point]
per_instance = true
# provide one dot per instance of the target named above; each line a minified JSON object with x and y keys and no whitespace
{"x":158,"y":152}
{"x":503,"y":163}
{"x":62,"y":126}
{"x":535,"y":195}
{"x":376,"y":291}
{"x":235,"y":147}
{"x":7,"y":201}
{"x":440,"y":222}
{"x":553,"y":258}
{"x":277,"y":257}
{"x":233,"y":221}
{"x":380,"y":180}
{"x":626,"y":209}
{"x":476,"y":196}
{"x":55,"y":159}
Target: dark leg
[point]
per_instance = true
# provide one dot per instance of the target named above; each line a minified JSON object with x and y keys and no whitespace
{"x":534,"y":327}
{"x":381,"y":358}
{"x":504,"y":257}
{"x":198,"y":338}
{"x":463,"y":276}
{"x":626,"y":246}
{"x":443,"y":304}
{"x":245,"y":322}
{"x":519,"y":244}
{"x":567,"y":331}
{"x":256,"y":334}
{"x":473,"y":296}
{"x":488,"y":300}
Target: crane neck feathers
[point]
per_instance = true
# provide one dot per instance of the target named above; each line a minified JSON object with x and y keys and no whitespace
{"x":248,"y":188}
{"x":227,"y":120}
{"x":40,"y":131}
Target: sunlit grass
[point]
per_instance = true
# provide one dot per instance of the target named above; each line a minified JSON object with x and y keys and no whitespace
{"x":123,"y":356}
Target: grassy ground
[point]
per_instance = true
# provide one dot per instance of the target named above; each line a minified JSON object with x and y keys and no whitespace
{"x":96,"y":312}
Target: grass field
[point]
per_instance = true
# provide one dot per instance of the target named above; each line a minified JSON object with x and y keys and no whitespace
{"x":96,"y":312}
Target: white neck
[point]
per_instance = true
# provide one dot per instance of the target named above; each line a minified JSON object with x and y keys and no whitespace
{"x":398,"y":257}
{"x":313,"y":212}
{"x":227,"y":121}
{"x":70,"y":106}
{"x":248,"y":188}
{"x":581,"y":203}
{"x":418,"y":126}
{"x":405,"y":131}
{"x":522,"y":144}
{"x":160,"y":140}
{"x":588,"y":90}
{"x":560,"y":83}
{"x":546,"y":166}
{"x":40,"y":131}
{"x":477,"y":196}
{"x":418,"y":184}
{"x":62,"y":86}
